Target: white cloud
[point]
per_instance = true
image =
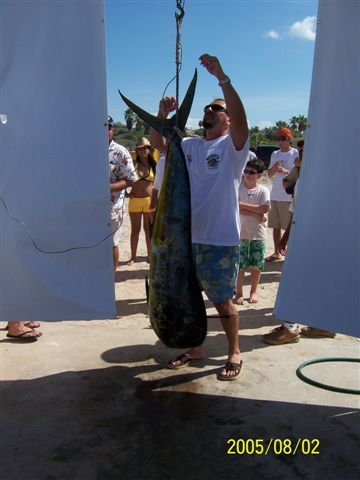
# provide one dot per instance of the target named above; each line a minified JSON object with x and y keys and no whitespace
{"x":304,"y":29}
{"x":264,"y":124}
{"x":271,"y":34}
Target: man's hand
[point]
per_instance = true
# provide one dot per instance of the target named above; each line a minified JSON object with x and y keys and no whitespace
{"x":212,"y":65}
{"x":166,"y":105}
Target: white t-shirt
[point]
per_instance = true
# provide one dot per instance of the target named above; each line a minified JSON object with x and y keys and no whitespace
{"x":159,"y":175}
{"x":287,"y":161}
{"x":251,"y":228}
{"x":215,"y":168}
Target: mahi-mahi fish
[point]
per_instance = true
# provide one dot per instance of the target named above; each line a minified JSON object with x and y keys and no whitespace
{"x":176,"y":306}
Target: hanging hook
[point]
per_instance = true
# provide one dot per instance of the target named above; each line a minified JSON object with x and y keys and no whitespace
{"x":179,"y":15}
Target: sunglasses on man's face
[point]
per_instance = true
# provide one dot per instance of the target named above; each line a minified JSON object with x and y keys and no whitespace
{"x":250,"y":172}
{"x":282,"y":139}
{"x":215,"y":107}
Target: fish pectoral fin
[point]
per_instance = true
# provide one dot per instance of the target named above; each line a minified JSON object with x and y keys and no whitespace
{"x":163,"y":126}
{"x":166,"y":126}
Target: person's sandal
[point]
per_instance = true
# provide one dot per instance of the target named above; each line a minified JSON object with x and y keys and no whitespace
{"x":27,"y":336}
{"x":184,"y":360}
{"x":231,"y":367}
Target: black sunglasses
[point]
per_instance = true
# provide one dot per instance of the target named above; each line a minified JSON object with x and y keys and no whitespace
{"x":250,"y":172}
{"x":282,"y":139}
{"x":215,"y":107}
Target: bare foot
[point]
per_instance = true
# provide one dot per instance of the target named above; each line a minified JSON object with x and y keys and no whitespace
{"x":32,"y":324}
{"x":19,"y":330}
{"x":238,"y":299}
{"x":253,"y":298}
{"x":131,"y":262}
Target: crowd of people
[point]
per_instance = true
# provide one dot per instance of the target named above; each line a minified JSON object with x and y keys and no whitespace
{"x":230,"y":211}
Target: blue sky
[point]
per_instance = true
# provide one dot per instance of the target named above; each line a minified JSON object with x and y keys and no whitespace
{"x":265,"y":47}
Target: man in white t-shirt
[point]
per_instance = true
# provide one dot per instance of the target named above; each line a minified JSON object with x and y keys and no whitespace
{"x":215,"y":164}
{"x":159,"y":175}
{"x":281,"y":162}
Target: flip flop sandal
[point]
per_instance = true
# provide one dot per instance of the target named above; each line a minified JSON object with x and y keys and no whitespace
{"x":231,"y":367}
{"x":25,"y":337}
{"x":184,"y":360}
{"x":272,"y":258}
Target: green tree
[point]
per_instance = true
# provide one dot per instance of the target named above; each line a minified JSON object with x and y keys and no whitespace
{"x":130,"y":119}
{"x":302,"y":121}
{"x":281,"y":124}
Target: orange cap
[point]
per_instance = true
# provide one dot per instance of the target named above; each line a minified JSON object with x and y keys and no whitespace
{"x":284,"y":132}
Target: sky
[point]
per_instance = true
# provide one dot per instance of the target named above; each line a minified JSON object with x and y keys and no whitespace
{"x":266,"y":48}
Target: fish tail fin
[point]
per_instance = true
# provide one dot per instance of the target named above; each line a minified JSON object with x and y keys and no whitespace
{"x":166,"y":126}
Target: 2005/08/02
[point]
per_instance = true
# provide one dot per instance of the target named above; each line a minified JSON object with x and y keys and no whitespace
{"x":276,"y":446}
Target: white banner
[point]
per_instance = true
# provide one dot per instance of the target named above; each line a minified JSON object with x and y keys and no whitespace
{"x":320,"y":283}
{"x":54,"y":163}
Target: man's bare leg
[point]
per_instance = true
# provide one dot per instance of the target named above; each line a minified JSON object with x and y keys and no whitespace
{"x":239,"y":297}
{"x":255,"y":277}
{"x":231,"y":328}
{"x":276,"y":237}
{"x":115,"y":256}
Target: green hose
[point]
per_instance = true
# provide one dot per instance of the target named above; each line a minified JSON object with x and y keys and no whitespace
{"x":323,"y":385}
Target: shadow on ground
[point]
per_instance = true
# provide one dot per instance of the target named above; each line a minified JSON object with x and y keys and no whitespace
{"x":109,"y":423}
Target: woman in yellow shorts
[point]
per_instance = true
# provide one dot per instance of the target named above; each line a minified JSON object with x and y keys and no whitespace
{"x":140,"y":196}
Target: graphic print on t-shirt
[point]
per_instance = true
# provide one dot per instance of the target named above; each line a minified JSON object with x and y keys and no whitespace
{"x":213,"y":160}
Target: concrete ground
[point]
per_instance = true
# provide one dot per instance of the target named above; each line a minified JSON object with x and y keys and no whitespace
{"x":94,"y":401}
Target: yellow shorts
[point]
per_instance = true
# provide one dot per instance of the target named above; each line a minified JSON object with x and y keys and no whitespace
{"x":137,"y":205}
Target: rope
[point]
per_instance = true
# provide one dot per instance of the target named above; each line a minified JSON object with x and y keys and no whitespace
{"x":324,"y":385}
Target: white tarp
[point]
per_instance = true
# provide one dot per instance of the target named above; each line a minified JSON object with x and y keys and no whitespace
{"x":54,"y":162}
{"x":320,"y":283}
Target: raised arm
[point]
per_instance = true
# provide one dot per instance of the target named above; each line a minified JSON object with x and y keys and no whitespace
{"x":238,"y":127}
{"x":166,"y":105}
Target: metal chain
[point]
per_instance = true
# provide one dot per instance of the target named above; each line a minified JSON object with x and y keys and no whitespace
{"x":178,"y":54}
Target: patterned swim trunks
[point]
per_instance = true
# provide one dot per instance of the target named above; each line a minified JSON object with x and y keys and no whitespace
{"x":252,"y":254}
{"x":217,"y":269}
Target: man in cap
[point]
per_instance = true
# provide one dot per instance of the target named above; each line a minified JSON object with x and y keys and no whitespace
{"x":281,"y":162}
{"x":122,"y":175}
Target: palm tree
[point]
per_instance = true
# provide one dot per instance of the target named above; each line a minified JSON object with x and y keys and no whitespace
{"x":281,"y":124}
{"x":130,"y":118}
{"x":294,"y":122}
{"x":302,"y":121}
{"x":270,"y":133}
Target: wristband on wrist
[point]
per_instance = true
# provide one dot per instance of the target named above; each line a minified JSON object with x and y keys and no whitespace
{"x":224,"y":81}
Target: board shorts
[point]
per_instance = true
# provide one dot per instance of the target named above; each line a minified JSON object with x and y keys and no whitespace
{"x":279,"y":215}
{"x":217,"y":269}
{"x":138,"y":205}
{"x":252,"y":255}
{"x":116,"y":222}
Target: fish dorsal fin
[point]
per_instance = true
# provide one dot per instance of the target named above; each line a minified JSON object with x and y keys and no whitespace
{"x":166,"y":126}
{"x":185,"y":107}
